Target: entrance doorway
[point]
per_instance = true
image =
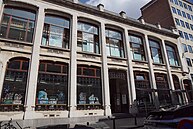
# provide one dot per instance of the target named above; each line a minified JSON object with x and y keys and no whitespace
{"x":119,"y":96}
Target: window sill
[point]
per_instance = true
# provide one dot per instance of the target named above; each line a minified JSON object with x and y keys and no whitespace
{"x":55,"y":48}
{"x":16,"y":41}
{"x":175,"y":66}
{"x":118,"y":58}
{"x":88,"y":53}
{"x":140,"y":61}
{"x":159,"y":64}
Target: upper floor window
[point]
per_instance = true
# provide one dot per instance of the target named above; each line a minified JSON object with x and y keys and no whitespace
{"x":182,"y":23}
{"x":191,"y":37}
{"x":181,"y":34}
{"x":184,"y":47}
{"x":185,"y":6}
{"x":174,"y":10}
{"x":188,"y":62}
{"x":18,"y":24}
{"x":187,"y":25}
{"x":186,"y":36}
{"x":176,"y":2}
{"x":137,"y":48}
{"x":172,"y":56}
{"x":179,"y":12}
{"x":88,"y":38}
{"x":177,"y":21}
{"x":188,"y":15}
{"x":184,"y":14}
{"x":56,"y":32}
{"x":114,"y":43}
{"x":191,"y":26}
{"x":190,"y":49}
{"x":189,"y":8}
{"x":156,"y":51}
{"x":180,"y":3}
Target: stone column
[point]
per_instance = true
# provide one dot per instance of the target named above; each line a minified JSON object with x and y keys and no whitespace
{"x":34,"y":65}
{"x":170,"y":79}
{"x":151,"y":72}
{"x":130,"y":74}
{"x":73,"y":68}
{"x":1,"y":8}
{"x":106,"y":91}
{"x":2,"y":75}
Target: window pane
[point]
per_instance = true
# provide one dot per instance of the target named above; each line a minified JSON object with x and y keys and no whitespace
{"x":25,"y":65}
{"x":4,"y":25}
{"x":56,"y":36}
{"x":57,"y":21}
{"x":53,"y":68}
{"x":14,"y":65}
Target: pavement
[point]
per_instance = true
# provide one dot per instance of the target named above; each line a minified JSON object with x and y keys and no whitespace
{"x":115,"y":123}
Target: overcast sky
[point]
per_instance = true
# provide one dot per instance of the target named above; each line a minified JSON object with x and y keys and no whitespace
{"x":131,"y":7}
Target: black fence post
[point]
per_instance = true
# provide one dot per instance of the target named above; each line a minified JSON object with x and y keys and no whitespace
{"x":114,"y":125}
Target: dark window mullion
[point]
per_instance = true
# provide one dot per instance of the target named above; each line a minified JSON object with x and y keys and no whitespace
{"x":26,"y":30}
{"x":8,"y":27}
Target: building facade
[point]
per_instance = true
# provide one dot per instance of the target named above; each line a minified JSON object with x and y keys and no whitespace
{"x":66,"y":61}
{"x":177,"y":14}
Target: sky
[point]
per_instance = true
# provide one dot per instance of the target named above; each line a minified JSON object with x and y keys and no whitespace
{"x":131,"y":7}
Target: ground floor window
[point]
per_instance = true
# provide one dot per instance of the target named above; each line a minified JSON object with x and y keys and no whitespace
{"x":143,"y":91}
{"x":52,"y":86}
{"x":188,"y":88}
{"x":163,"y":89}
{"x":14,"y":86}
{"x":89,"y":88}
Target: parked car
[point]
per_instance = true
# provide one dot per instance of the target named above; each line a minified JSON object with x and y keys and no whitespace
{"x":169,"y":118}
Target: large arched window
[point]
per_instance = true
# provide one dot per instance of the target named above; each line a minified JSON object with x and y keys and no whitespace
{"x":14,"y":86}
{"x":137,"y":48}
{"x":156,"y":52}
{"x":172,"y":56}
{"x":114,"y":43}
{"x":163,"y":89}
{"x":189,"y":91}
{"x":89,"y":88}
{"x":52,"y":86}
{"x":177,"y":94}
{"x":88,"y":38}
{"x":18,"y":24}
{"x":56,"y":31}
{"x":143,"y":90}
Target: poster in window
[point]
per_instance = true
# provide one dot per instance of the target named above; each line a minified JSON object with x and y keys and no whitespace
{"x":124,"y":99}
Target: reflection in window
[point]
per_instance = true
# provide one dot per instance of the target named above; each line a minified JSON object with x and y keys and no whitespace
{"x":143,"y":91}
{"x":52,"y":86}
{"x":88,"y":38}
{"x":89,"y":89}
{"x":137,"y":48}
{"x":163,"y":89}
{"x":14,"y":87}
{"x":155,"y":52}
{"x":114,"y":43}
{"x":56,"y":32}
{"x":17,"y":24}
{"x":172,"y":57}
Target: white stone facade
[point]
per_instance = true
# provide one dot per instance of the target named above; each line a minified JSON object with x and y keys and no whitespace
{"x":35,"y":52}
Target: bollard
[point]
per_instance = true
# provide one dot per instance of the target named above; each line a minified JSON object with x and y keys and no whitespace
{"x":87,"y":123}
{"x":114,"y":126}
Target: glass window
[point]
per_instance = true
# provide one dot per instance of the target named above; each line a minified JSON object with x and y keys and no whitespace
{"x":14,"y":86}
{"x":189,"y":8}
{"x":176,"y":2}
{"x":186,"y":36}
{"x":17,"y":24}
{"x":188,"y":62}
{"x":179,"y":12}
{"x":188,"y":15}
{"x":191,"y":26}
{"x":187,"y":25}
{"x":137,"y":48}
{"x":190,"y":49}
{"x":89,"y":88}
{"x":182,"y":23}
{"x":185,"y":6}
{"x":172,"y":56}
{"x":184,"y":48}
{"x":177,"y":21}
{"x":191,"y":37}
{"x":114,"y":43}
{"x":156,"y":51}
{"x":180,"y":3}
{"x":52,"y":86}
{"x":163,"y":89}
{"x":184,"y":14}
{"x":181,"y":34}
{"x":56,"y":32}
{"x":174,"y":10}
{"x":192,"y":17}
{"x":88,"y":38}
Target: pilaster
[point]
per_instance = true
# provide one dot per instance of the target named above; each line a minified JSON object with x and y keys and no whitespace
{"x":170,"y":79}
{"x":73,"y":68}
{"x":151,"y":72}
{"x":1,"y":8}
{"x":2,"y":75}
{"x":34,"y":65}
{"x":105,"y":71}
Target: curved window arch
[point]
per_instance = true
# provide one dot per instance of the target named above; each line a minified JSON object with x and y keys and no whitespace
{"x":14,"y":86}
{"x":156,"y":52}
{"x":114,"y":43}
{"x":56,"y":31}
{"x":18,"y":24}
{"x":52,"y":86}
{"x":137,"y":47}
{"x":88,"y":38}
{"x":172,"y":56}
{"x":89,"y":88}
